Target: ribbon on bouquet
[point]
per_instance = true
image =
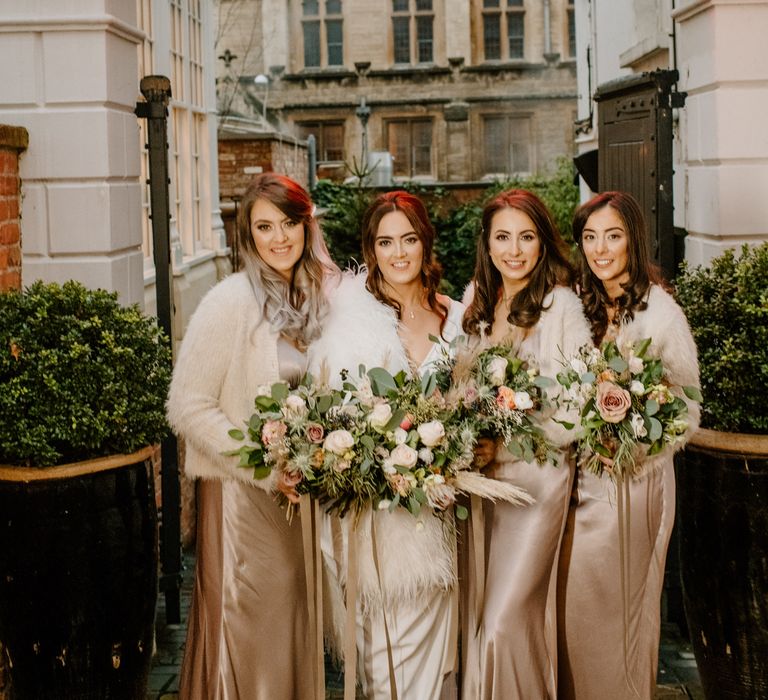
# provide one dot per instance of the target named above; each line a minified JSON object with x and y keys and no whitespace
{"x":478,"y":544}
{"x":625,"y":526}
{"x":309,"y":510}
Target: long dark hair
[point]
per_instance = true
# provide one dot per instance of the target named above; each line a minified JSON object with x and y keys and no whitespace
{"x":642,"y":273}
{"x":293,"y":308}
{"x":431,"y":271}
{"x":551,"y":269}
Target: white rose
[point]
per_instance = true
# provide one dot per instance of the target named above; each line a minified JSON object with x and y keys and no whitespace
{"x":523,"y":400}
{"x":364,"y":392}
{"x":294,"y":406}
{"x":635,"y":364}
{"x":339,"y":441}
{"x":638,"y":426}
{"x":431,"y":433}
{"x":404,"y":456}
{"x":636,"y":388}
{"x":387,"y":467}
{"x":400,"y":436}
{"x":497,"y":370}
{"x":380,"y":415}
{"x":578,"y":365}
{"x":426,"y":456}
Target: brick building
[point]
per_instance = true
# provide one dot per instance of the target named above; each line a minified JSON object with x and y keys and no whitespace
{"x":456,"y":91}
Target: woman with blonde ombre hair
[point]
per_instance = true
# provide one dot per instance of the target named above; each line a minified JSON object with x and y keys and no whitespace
{"x":610,"y":613}
{"x":249,"y":603}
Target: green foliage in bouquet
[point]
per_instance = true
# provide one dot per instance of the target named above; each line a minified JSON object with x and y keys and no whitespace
{"x":627,"y":410}
{"x":80,"y":375}
{"x":727,"y":308}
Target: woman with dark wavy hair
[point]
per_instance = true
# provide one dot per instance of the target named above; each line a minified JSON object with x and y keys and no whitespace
{"x":609,"y":614}
{"x":252,"y":329}
{"x":389,"y":315}
{"x":521,"y":296}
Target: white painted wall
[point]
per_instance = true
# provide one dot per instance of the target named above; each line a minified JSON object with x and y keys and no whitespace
{"x":721,"y":142}
{"x":68,"y":71}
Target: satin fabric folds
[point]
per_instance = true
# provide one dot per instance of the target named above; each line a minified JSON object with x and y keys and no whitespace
{"x":597,"y":661}
{"x":249,"y":601}
{"x":511,"y":652}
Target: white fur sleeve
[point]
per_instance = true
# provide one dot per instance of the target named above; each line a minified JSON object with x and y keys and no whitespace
{"x":193,"y":407}
{"x":673,"y":342}
{"x":571,"y":333}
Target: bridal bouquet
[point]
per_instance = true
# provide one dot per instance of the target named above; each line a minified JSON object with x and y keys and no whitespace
{"x":500,"y":395}
{"x":381,"y":441}
{"x":627,"y":409}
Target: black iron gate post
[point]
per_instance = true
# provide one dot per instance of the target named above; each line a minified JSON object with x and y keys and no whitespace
{"x":157,"y":92}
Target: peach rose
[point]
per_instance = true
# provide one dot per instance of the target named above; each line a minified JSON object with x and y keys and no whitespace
{"x":612,"y":402}
{"x":273,"y":431}
{"x":506,"y":398}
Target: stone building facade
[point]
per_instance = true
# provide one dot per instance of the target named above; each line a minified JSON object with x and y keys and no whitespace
{"x":455,"y":91}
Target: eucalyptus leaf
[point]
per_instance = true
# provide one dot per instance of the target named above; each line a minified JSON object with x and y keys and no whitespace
{"x":280,"y":391}
{"x":654,"y":433}
{"x":651,"y":407}
{"x":618,"y":364}
{"x":693,"y":393}
{"x":461,"y":513}
{"x":367,"y":442}
{"x":381,"y":381}
{"x":324,"y":403}
{"x":261,"y":472}
{"x":236,"y":434}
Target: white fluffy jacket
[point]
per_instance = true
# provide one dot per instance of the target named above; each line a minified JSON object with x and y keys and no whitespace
{"x":227,"y":353}
{"x":665,"y":323}
{"x":415,"y":557}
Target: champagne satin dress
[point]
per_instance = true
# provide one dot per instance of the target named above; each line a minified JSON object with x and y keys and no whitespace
{"x":247,"y":633}
{"x":603,"y":655}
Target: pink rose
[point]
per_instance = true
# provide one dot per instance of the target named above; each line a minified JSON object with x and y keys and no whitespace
{"x":612,"y":402}
{"x":273,"y":431}
{"x":292,"y":478}
{"x":315,"y":433}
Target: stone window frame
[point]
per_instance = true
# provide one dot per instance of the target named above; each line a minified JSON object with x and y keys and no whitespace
{"x":322,"y":14}
{"x":488,"y":172}
{"x":569,"y":42}
{"x":410,"y":121}
{"x":505,"y":11}
{"x":318,"y":127}
{"x":415,"y":16}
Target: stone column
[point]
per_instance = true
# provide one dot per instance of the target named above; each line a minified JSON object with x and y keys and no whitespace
{"x":723,"y":68}
{"x":13,"y":140}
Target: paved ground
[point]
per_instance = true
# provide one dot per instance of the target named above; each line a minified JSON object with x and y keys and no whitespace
{"x":678,"y":677}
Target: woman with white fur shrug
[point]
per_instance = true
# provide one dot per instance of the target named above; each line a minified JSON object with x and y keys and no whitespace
{"x":389,"y":326}
{"x":610,"y":624}
{"x":521,"y":293}
{"x":249,"y":606}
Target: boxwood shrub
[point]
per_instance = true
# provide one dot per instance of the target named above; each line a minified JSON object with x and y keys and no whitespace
{"x":727,"y":308}
{"x":80,"y":375}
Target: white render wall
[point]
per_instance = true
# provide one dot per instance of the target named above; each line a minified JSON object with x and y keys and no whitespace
{"x":723,"y":66}
{"x":68,"y":70}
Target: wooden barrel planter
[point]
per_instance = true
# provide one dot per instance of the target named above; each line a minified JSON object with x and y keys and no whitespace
{"x":723,"y":520}
{"x":78,"y":579}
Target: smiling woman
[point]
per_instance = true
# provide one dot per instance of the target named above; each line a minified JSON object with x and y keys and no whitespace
{"x":250,"y":329}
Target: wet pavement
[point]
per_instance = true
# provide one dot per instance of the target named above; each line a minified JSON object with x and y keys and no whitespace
{"x":678,"y":677}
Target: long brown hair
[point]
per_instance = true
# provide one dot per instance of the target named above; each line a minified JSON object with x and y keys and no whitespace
{"x":551,"y":269}
{"x":293,"y":308}
{"x":642,"y":273}
{"x":431,"y":271}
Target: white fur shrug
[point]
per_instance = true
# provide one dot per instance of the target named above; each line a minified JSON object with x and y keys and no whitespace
{"x":228,"y":351}
{"x":665,"y":323}
{"x":415,"y":557}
